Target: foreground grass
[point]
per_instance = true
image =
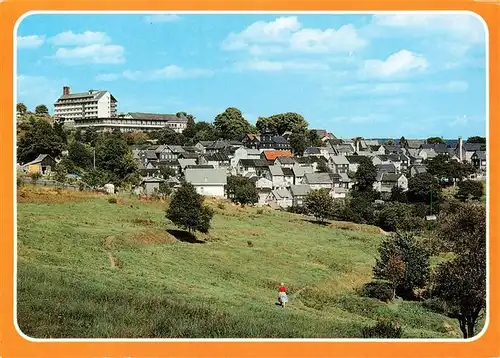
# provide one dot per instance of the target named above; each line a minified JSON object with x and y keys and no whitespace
{"x":89,"y":268}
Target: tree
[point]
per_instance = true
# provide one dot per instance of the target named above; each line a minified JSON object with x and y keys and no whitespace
{"x":241,"y":190}
{"x":461,"y":282}
{"x":396,"y":216}
{"x":115,"y":158}
{"x":231,"y":124}
{"x":313,"y":139}
{"x":188,"y":211}
{"x":390,"y":142}
{"x":404,"y":247}
{"x":422,"y":187}
{"x":323,"y":167}
{"x":398,"y":194}
{"x":365,"y":175}
{"x":21,"y":109}
{"x":476,"y":139}
{"x":298,"y":142}
{"x":470,"y":189}
{"x":91,"y":136}
{"x":205,"y":132}
{"x":164,"y":189}
{"x":41,"y":110}
{"x":167,"y":172}
{"x":61,"y":173}
{"x":190,"y":130}
{"x":319,"y":204}
{"x":435,"y":140}
{"x":81,"y":155}
{"x":95,"y":178}
{"x":169,"y":136}
{"x":39,"y":138}
{"x":283,"y":122}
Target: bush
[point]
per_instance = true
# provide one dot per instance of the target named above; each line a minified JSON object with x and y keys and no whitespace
{"x":221,"y":206}
{"x":112,"y":200}
{"x":470,"y":189}
{"x":19,"y":182}
{"x":260,"y":211}
{"x":297,"y":209}
{"x":383,"y":329}
{"x":435,"y":305}
{"x":398,"y":216}
{"x":381,"y":290}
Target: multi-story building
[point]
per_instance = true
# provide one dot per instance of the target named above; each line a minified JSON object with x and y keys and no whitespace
{"x":91,"y":104}
{"x":131,"y":122}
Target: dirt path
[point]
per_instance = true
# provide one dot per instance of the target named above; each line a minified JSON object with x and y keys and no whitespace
{"x":111,"y":259}
{"x":107,"y":244}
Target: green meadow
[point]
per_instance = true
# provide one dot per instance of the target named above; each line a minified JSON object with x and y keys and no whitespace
{"x":88,"y":268}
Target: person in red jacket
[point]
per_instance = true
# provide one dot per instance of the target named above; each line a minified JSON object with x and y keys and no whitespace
{"x":282,"y":296}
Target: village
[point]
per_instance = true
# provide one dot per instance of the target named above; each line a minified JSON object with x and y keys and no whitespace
{"x":282,"y":178}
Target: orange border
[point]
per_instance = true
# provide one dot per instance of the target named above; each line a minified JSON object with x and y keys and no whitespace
{"x":11,"y":344}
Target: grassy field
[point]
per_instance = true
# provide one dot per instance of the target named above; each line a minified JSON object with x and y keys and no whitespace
{"x":90,"y":268}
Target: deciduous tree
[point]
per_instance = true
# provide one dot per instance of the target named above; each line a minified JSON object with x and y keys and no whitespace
{"x":231,"y":124}
{"x":241,"y":190}
{"x":320,"y":204}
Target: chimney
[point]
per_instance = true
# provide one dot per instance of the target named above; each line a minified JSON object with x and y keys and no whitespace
{"x":65,"y":90}
{"x":460,"y":149}
{"x":357,"y":146}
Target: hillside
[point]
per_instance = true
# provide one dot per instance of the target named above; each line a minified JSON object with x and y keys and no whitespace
{"x":90,"y":268}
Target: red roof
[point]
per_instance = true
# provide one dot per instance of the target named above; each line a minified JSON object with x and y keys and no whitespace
{"x":273,"y":154}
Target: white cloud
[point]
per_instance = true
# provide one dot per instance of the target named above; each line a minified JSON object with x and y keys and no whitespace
{"x":167,"y":72}
{"x":97,"y":54}
{"x":86,"y":38}
{"x":400,"y":63}
{"x":272,"y":66}
{"x":31,"y":41}
{"x":345,"y":39}
{"x":161,"y":18}
{"x":287,"y":33}
{"x":107,"y":77}
{"x":464,"y":27}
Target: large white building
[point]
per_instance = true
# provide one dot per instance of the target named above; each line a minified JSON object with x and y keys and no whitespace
{"x":87,"y":105}
{"x":131,"y":122}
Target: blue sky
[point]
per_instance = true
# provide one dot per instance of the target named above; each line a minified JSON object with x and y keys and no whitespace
{"x":383,"y":75}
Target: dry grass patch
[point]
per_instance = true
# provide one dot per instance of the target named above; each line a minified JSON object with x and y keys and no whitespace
{"x":150,"y":237}
{"x":43,"y":195}
{"x":344,"y":225}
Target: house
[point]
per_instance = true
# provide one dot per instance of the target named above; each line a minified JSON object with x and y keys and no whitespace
{"x":386,"y":181}
{"x":280,"y":198}
{"x":252,"y":141}
{"x":339,"y":163}
{"x":354,"y":162}
{"x":264,"y":187}
{"x":151,"y":185}
{"x":413,"y":155}
{"x":386,"y":168}
{"x":173,"y":165}
{"x":219,"y":146}
{"x":208,"y":182}
{"x":288,"y":176}
{"x":299,"y":194}
{"x":285,"y":162}
{"x":271,"y":155}
{"x":312,"y":151}
{"x":378,"y":149}
{"x":244,"y":153}
{"x":479,"y":160}
{"x":189,"y":155}
{"x":256,"y":166}
{"x":202,"y":145}
{"x":43,"y":164}
{"x":318,"y":180}
{"x":183,"y":163}
{"x":413,"y":143}
{"x":427,"y":153}
{"x":299,"y":172}
{"x":417,"y":169}
{"x":339,"y":193}
{"x":392,"y":149}
{"x":345,"y":181}
{"x":150,"y":169}
{"x":218,"y":160}
{"x":343,"y":149}
{"x":268,"y":140}
{"x":471,"y":148}
{"x":163,"y":152}
{"x":276,"y":175}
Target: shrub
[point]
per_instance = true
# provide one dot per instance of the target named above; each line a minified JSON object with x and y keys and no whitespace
{"x":470,"y":189}
{"x":383,"y":329}
{"x":297,"y":209}
{"x":250,"y":243}
{"x":435,"y":305}
{"x":35,"y":177}
{"x":381,"y":290}
{"x":398,"y":216}
{"x":112,"y":200}
{"x":260,"y":211}
{"x":221,"y":206}
{"x":319,"y":204}
{"x":19,"y":182}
